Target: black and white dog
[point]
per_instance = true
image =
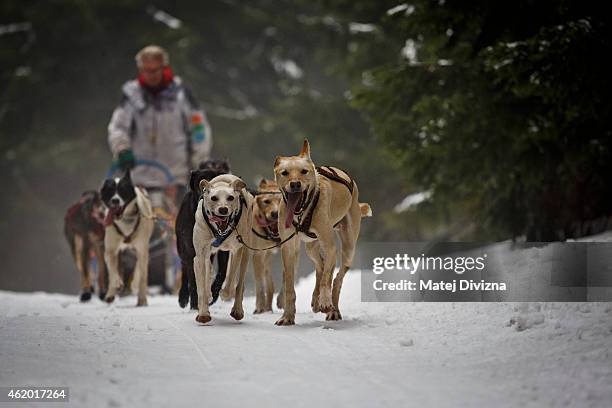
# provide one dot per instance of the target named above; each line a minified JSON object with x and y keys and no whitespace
{"x":185,"y":221}
{"x":129,"y":223}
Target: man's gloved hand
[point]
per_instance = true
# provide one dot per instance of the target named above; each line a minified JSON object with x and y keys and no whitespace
{"x":126,"y":160}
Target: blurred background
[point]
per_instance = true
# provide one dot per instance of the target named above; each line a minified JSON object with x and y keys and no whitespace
{"x":460,"y":120}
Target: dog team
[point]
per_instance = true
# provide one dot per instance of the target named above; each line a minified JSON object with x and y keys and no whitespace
{"x":220,"y":218}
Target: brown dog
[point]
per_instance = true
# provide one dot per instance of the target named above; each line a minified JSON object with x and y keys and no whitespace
{"x":265,"y":235}
{"x":316,"y":201}
{"x":84,"y":231}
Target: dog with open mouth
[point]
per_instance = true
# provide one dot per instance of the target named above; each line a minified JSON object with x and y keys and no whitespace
{"x":185,"y":221}
{"x":316,"y":202}
{"x":223,"y":223}
{"x":264,"y":235}
{"x":129,"y":223}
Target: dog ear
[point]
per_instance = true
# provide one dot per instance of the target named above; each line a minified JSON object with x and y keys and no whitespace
{"x":263,"y":183}
{"x":238,"y":185}
{"x":193,"y":181}
{"x":204,"y":184}
{"x":305,"y":149}
{"x":277,"y":161}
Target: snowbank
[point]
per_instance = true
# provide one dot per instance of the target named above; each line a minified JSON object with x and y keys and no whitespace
{"x":392,"y":354}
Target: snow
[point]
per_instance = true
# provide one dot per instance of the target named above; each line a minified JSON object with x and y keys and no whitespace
{"x":381,"y":354}
{"x":356,"y":28}
{"x":412,"y":200}
{"x":409,"y":51}
{"x":287,"y":67}
{"x":408,"y":9}
{"x":15,"y":28}
{"x":164,"y":18}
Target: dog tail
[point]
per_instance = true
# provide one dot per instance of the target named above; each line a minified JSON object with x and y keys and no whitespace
{"x":366,"y":210}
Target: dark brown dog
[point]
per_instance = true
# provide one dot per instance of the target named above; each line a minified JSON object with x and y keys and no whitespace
{"x":84,"y":231}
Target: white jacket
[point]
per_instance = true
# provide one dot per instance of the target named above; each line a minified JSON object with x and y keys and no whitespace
{"x":169,"y":128}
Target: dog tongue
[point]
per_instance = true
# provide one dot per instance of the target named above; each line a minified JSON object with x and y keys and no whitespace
{"x":110,"y":216}
{"x":293,"y":200}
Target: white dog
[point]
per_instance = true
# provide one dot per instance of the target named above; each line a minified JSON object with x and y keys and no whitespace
{"x":223,"y":222}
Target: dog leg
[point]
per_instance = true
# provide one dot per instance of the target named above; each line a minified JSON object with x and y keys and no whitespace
{"x":328,"y":245}
{"x":259,"y":271}
{"x":112,"y":262}
{"x":290,"y":252}
{"x":101,"y":269}
{"x":243,"y":259}
{"x":280,"y":298}
{"x":229,"y":289}
{"x":80,"y":259}
{"x":193,"y":288}
{"x":201,"y":268}
{"x":183,"y":294}
{"x":313,"y":250}
{"x":349,"y":232}
{"x":269,"y":281}
{"x":142,"y":271}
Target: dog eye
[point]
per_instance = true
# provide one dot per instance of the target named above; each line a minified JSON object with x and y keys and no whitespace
{"x":214,"y":198}
{"x":284,"y":173}
{"x":230,"y":198}
{"x":304,"y":171}
{"x":266,"y":201}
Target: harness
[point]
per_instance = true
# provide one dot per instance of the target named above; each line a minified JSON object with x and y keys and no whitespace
{"x":269,"y":235}
{"x":127,"y":238}
{"x":307,"y":208}
{"x":221,"y":236}
{"x":332,"y":174}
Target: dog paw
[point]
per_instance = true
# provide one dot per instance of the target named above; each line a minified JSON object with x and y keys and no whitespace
{"x":183,"y":299}
{"x":85,"y":297}
{"x":203,"y":319}
{"x":109,"y":299}
{"x":102,"y":295}
{"x":237,"y":314}
{"x":285,"y":321}
{"x":335,"y":315}
{"x":314,"y":304}
{"x":258,"y":310}
{"x":325,"y":305}
{"x":142,"y":302}
{"x":225,"y":295}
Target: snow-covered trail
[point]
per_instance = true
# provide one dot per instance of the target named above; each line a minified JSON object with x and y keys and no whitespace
{"x":395,"y":354}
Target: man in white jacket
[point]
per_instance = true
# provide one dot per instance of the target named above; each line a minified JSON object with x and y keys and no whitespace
{"x":158,"y":119}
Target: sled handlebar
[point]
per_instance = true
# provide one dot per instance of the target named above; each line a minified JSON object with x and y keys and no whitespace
{"x":148,"y":163}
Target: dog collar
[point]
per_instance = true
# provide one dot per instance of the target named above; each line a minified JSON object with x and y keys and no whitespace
{"x":305,"y":216}
{"x":270,"y":236}
{"x":221,"y":236}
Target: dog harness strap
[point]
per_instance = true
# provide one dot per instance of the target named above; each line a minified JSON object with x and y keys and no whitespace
{"x":304,"y":226}
{"x":239,"y":238}
{"x":127,"y":238}
{"x":268,"y":236}
{"x":233,"y":223}
{"x":332,"y":174}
